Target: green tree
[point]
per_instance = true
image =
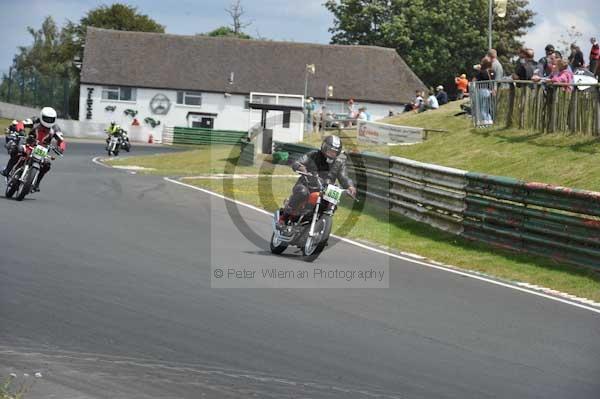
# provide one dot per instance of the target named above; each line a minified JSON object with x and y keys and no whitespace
{"x":116,"y":16}
{"x":45,"y":68}
{"x":438,"y":39}
{"x":226,"y":32}
{"x":41,"y":74}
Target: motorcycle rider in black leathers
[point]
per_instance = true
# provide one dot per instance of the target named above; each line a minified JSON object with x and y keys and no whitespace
{"x":329,"y":164}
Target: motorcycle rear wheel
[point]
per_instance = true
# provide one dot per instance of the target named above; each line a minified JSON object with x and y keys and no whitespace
{"x":12,"y":185}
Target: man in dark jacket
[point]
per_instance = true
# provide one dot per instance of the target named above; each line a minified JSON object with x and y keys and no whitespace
{"x":576,"y":58}
{"x":442,"y":96}
{"x":526,"y":65}
{"x":328,"y":163}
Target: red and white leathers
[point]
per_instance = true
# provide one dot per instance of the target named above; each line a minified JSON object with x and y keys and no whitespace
{"x":44,"y":135}
{"x":41,"y":135}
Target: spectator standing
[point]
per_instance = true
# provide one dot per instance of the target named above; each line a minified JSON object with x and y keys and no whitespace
{"x":316,"y":119}
{"x":496,"y":65}
{"x":526,"y":65}
{"x":485,"y":73}
{"x":594,"y":56}
{"x":576,"y":58}
{"x":544,"y":61}
{"x":351,"y":111}
{"x":462,"y":86}
{"x":563,"y":74}
{"x":310,"y":109}
{"x":441,"y":96}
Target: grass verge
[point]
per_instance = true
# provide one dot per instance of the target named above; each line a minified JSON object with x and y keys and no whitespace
{"x":402,"y":234}
{"x":200,"y":161}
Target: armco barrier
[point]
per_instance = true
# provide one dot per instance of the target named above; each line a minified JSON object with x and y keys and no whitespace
{"x":426,"y":193}
{"x":197,"y":136}
{"x":536,"y":218}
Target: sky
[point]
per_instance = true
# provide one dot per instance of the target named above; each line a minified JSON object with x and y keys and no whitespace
{"x":292,"y":20}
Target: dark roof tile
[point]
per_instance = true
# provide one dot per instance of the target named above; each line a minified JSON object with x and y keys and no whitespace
{"x":203,"y":63}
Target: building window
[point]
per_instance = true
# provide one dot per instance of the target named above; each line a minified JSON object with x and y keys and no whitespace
{"x":189,"y":98}
{"x":286,"y":119}
{"x":247,"y":102}
{"x":118,"y":93}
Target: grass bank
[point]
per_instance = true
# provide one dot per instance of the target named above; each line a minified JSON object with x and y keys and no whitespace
{"x":562,"y":159}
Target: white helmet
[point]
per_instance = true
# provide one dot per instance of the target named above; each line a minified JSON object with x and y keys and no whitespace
{"x":14,"y":122}
{"x":48,"y":117}
{"x":28,"y":122}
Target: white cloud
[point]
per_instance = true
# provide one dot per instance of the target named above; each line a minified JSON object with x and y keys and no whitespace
{"x":555,"y":17}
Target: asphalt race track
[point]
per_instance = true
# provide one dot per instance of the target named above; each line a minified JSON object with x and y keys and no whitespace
{"x":105,"y":290}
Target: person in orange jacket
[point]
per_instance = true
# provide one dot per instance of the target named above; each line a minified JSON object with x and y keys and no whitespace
{"x":462,"y":85}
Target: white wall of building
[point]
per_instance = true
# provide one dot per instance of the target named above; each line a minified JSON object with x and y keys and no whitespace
{"x":229,"y":110}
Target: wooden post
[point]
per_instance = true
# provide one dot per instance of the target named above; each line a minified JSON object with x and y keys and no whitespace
{"x":597,"y":105}
{"x":573,"y":112}
{"x":553,"y":109}
{"x":511,"y":105}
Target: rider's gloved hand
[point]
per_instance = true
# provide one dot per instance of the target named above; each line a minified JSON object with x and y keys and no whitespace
{"x":352,"y":191}
{"x":302,"y":169}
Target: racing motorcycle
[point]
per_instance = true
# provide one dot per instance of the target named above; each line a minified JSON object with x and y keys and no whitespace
{"x":13,"y":139}
{"x":310,"y":230}
{"x":115,"y":142}
{"x":125,"y":144}
{"x":26,"y":172}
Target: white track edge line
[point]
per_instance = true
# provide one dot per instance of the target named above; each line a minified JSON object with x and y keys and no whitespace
{"x":380,"y":251}
{"x":96,"y":160}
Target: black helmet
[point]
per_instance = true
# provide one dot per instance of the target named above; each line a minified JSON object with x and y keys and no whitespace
{"x":549,"y":48}
{"x":331,"y":148}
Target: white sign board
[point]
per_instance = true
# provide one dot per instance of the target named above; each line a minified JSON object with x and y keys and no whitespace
{"x":383,"y":133}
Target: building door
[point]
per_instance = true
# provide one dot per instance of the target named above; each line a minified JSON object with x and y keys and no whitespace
{"x":204,"y":121}
{"x":207,"y":122}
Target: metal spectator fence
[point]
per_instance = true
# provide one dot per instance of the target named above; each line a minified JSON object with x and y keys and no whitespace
{"x":483,"y":94}
{"x":535,"y":218}
{"x":34,"y":89}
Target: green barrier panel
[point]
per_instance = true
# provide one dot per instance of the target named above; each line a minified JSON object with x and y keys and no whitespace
{"x":198,"y":136}
{"x":546,"y":195}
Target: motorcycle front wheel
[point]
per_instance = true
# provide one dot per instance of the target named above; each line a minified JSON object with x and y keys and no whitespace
{"x":277,"y":246}
{"x":25,"y":188}
{"x":314,"y":245}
